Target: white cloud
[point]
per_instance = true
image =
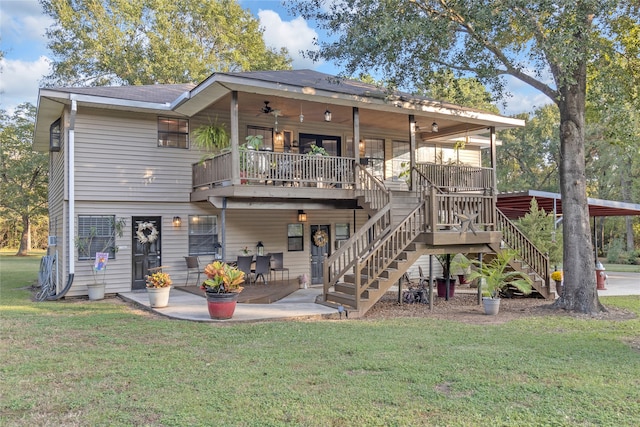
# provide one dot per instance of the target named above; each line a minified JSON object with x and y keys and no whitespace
{"x":20,"y":81}
{"x":295,"y":35}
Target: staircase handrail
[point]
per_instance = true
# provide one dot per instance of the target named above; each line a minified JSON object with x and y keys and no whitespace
{"x":346,"y":256}
{"x":387,"y":250}
{"x":529,"y":253}
{"x":373,"y":189}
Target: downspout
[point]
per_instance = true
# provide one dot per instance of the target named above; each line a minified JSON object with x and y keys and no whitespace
{"x":71,"y":213}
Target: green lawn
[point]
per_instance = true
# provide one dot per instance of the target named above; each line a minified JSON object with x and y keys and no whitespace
{"x":102,"y":363}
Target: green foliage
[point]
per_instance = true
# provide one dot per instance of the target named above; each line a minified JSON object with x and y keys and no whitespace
{"x":539,"y":228}
{"x":445,"y":86}
{"x":497,"y":275}
{"x":154,"y":41}
{"x":254,"y":141}
{"x":314,"y":150}
{"x":211,"y":137}
{"x":23,"y":172}
{"x":529,"y":157}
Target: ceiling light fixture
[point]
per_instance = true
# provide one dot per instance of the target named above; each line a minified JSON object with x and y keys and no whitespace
{"x":434,"y":127}
{"x":327,"y":115}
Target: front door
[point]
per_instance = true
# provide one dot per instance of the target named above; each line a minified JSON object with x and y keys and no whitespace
{"x":145,"y":247}
{"x":320,"y":247}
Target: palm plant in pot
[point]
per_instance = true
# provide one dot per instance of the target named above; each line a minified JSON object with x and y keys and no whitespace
{"x":158,"y":289}
{"x":496,"y":276}
{"x":222,"y":288}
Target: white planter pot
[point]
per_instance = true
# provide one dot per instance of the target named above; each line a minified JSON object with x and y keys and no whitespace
{"x":491,"y":305}
{"x":96,"y":291}
{"x":159,"y":297}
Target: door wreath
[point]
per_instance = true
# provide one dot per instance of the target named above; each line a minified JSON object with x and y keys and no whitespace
{"x":320,"y":238}
{"x":147,"y":232}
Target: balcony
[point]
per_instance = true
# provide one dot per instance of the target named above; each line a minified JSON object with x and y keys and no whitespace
{"x":266,"y":174}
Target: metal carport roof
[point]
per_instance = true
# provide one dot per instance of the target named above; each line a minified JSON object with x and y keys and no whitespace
{"x":516,"y":204}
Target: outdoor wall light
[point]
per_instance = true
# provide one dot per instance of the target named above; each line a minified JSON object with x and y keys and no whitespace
{"x":327,"y":115}
{"x":177,"y":221}
{"x":302,"y":217}
{"x":434,"y":127}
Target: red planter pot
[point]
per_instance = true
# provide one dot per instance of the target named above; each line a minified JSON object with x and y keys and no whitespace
{"x":222,"y":306}
{"x":441,"y":283}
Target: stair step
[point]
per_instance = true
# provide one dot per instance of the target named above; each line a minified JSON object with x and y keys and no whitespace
{"x":344,"y":299}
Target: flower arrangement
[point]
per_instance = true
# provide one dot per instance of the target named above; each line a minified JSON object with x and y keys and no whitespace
{"x":246,"y":251}
{"x":222,"y":278}
{"x":557,"y":276}
{"x":158,"y":280}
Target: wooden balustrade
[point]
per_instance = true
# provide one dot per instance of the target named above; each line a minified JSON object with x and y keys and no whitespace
{"x":449,"y":210}
{"x":527,"y":251}
{"x":375,"y":194}
{"x":286,"y":169}
{"x":457,"y":177}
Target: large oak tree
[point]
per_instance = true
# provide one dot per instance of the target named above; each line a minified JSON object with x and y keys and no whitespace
{"x":101,"y":42}
{"x":545,"y":44}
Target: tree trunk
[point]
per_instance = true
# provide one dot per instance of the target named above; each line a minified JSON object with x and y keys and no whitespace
{"x":579,"y":293}
{"x":25,"y":238}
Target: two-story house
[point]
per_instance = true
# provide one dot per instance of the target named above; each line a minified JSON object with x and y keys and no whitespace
{"x":402,"y":178}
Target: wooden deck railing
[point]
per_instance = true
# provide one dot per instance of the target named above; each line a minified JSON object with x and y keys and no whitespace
{"x":527,"y":251}
{"x":375,"y":194}
{"x":285,"y":169}
{"x":457,"y":177}
{"x":448,"y":210}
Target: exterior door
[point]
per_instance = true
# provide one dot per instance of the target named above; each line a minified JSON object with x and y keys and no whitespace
{"x":329,"y":143}
{"x":145,"y":247}
{"x":320,"y":246}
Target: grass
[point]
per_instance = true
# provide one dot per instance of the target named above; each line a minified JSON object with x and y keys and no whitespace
{"x":99,"y":363}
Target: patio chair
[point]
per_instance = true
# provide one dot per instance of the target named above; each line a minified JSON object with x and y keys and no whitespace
{"x":277,"y":264}
{"x":193,"y":266}
{"x":244,"y":265}
{"x":263,"y":266}
{"x":423,"y":280}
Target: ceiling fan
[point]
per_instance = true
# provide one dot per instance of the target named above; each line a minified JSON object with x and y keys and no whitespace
{"x":268,"y":110}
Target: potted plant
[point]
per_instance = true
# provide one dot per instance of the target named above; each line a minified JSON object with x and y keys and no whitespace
{"x":461,"y":266}
{"x":158,"y":289}
{"x":222,"y":288}
{"x":212,"y":137}
{"x":314,"y":150}
{"x":101,"y":250}
{"x":495,"y":276}
{"x":441,"y":281}
{"x":556,"y":276}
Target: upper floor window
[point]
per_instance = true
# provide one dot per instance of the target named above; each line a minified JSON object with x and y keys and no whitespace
{"x":96,"y":233}
{"x":267,"y":135}
{"x":173,"y":132}
{"x":55,"y":136}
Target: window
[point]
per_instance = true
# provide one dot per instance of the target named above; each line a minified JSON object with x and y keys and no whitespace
{"x":372,"y":156}
{"x":55,"y":134}
{"x":401,"y":159}
{"x":295,"y":237}
{"x":173,"y":132}
{"x":267,"y":135}
{"x":203,"y":234}
{"x":342,"y":234}
{"x":96,"y":233}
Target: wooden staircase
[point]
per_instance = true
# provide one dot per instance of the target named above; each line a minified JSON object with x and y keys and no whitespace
{"x":376,"y":257}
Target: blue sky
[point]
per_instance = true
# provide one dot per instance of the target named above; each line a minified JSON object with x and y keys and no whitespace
{"x":26,"y":62}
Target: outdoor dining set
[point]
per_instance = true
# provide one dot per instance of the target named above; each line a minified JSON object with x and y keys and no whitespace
{"x":255,"y":267}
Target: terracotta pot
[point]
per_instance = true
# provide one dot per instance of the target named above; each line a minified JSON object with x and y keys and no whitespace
{"x":159,"y":297}
{"x":222,"y":306}
{"x":441,"y":283}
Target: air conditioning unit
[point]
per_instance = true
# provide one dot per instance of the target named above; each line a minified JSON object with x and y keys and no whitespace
{"x":53,"y":240}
